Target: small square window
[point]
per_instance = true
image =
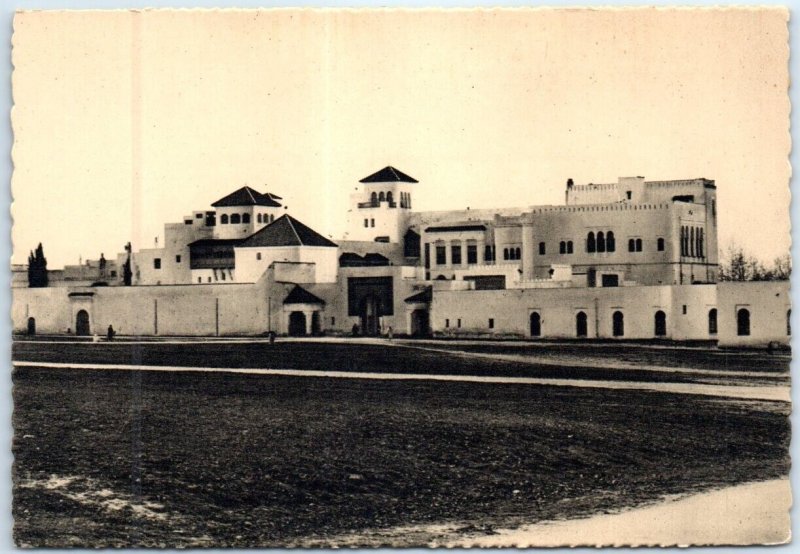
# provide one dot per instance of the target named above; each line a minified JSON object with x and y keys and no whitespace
{"x":199,"y":216}
{"x":157,"y":263}
{"x":542,"y":249}
{"x":447,"y":323}
{"x":178,"y":259}
{"x":491,"y":323}
{"x":684,"y":309}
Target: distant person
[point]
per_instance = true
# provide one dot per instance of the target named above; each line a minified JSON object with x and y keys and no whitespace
{"x":95,"y":338}
{"x":111,"y":333}
{"x":390,"y":333}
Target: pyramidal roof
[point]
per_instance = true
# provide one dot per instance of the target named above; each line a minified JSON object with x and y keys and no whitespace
{"x":388,"y":175}
{"x":299,"y":295}
{"x":246,"y":196}
{"x":285,"y":231}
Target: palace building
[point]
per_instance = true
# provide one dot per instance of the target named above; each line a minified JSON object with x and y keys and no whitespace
{"x":634,"y":259}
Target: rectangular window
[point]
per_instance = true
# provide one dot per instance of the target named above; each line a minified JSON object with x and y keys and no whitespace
{"x":472,"y":253}
{"x":458,"y":323}
{"x":610,"y":280}
{"x":157,"y":263}
{"x":333,"y":321}
{"x":447,"y":323}
{"x":222,"y":276}
{"x":372,"y":223}
{"x":488,"y":253}
{"x":660,"y":244}
{"x":542,"y":249}
{"x":427,"y":256}
{"x":441,"y":255}
{"x":199,"y":216}
{"x":209,"y":279}
{"x":491,"y":323}
{"x":628,"y":194}
{"x":178,"y":259}
{"x":684,"y":309}
{"x":187,"y":221}
{"x":258,"y":255}
{"x":366,"y":223}
{"x":456,"y":254}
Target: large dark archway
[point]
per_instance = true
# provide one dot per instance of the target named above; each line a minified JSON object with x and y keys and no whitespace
{"x":743,"y":322}
{"x":82,"y":327}
{"x":420,"y":323}
{"x":297,"y":324}
{"x":618,"y":324}
{"x":31,"y":326}
{"x":660,"y":324}
{"x":536,"y":324}
{"x":370,"y":315}
{"x":581,"y":325}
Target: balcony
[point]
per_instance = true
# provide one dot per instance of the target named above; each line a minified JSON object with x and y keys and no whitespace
{"x":376,"y":204}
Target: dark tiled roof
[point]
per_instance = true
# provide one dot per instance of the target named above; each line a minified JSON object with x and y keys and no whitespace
{"x":453,"y":228}
{"x":299,"y":295}
{"x":216,"y":242}
{"x":389,"y":175}
{"x":424,"y":296}
{"x":246,"y":196}
{"x":286,"y":231}
{"x":351,"y":259}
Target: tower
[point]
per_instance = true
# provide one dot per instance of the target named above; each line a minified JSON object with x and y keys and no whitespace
{"x":380,"y":207}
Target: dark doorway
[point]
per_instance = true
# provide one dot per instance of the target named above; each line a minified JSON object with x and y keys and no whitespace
{"x":712,"y":321}
{"x":297,"y":324}
{"x":31,"y":326}
{"x":536,"y":324}
{"x":420,"y":323}
{"x":743,"y":322}
{"x":661,"y":324}
{"x":82,"y":323}
{"x":316,"y":325}
{"x":370,"y":308}
{"x":610,"y":280}
{"x":618,"y":321}
{"x":591,"y":278}
{"x":581,"y":324}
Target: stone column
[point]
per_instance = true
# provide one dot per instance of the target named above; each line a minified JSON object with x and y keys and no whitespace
{"x":309,"y":315}
{"x":448,"y":253}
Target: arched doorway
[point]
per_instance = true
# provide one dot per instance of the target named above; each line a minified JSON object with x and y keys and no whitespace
{"x":297,"y":324}
{"x":581,"y":325}
{"x":712,"y":321}
{"x":316,"y":324}
{"x":82,"y":327}
{"x":536,"y":324}
{"x":661,"y":324}
{"x":743,"y":322}
{"x":370,"y":308}
{"x":31,"y":326}
{"x":618,"y":324}
{"x":420,"y":323}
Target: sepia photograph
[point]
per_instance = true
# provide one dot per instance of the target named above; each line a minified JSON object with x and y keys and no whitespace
{"x":416,"y":278}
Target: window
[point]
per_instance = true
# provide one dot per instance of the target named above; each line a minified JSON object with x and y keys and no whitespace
{"x":488,"y":253}
{"x":381,"y":197}
{"x":224,"y":219}
{"x":198,"y":216}
{"x":178,"y":259}
{"x":743,"y":322}
{"x":491,"y":323}
{"x":638,"y":245}
{"x":660,"y":324}
{"x":542,"y":249}
{"x":611,"y":280}
{"x":517,"y":254}
{"x":389,"y":197}
{"x":660,"y":244}
{"x":157,"y":263}
{"x":618,"y":324}
{"x":113,"y":273}
{"x":374,"y":198}
{"x":505,"y":253}
{"x":631,"y":245}
{"x":333,"y":321}
{"x":209,"y":279}
{"x":712,"y":321}
{"x":700,"y":245}
{"x":447,"y":323}
{"x":458,"y":323}
{"x":536,"y":324}
{"x":628,"y":194}
{"x":372,"y":222}
{"x":591,"y":245}
{"x":187,"y":221}
{"x":581,"y":324}
{"x":691,"y":242}
{"x":236,"y":219}
{"x":258,"y":255}
{"x":601,"y":242}
{"x":245,"y":218}
{"x":562,"y":247}
{"x":441,"y":255}
{"x":569,"y":247}
{"x":222,"y":275}
{"x":258,"y":218}
{"x":366,"y":223}
{"x":611,"y":244}
{"x":455,"y":254}
{"x":199,"y":280}
{"x":271,"y":218}
{"x":684,"y":309}
{"x":472,"y":253}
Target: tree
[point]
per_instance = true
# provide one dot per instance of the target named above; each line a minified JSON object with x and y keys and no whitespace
{"x":127,"y":274}
{"x":738,"y":265}
{"x":37,"y":268}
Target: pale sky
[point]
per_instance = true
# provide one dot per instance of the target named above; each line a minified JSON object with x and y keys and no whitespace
{"x":126,"y":120}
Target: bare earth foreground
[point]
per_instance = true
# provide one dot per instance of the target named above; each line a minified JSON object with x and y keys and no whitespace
{"x":131,"y":457}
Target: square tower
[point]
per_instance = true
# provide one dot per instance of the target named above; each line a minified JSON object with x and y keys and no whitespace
{"x":380,"y":207}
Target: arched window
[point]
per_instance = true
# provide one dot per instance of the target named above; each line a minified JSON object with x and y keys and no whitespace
{"x":660,"y":244}
{"x":408,"y":200}
{"x":562,"y":247}
{"x":660,"y":324}
{"x":258,"y":218}
{"x":374,"y":198}
{"x":271,"y":218}
{"x":389,"y":197}
{"x":601,"y":242}
{"x":381,"y":197}
{"x":224,"y":219}
{"x":591,"y":245}
{"x":700,"y":245}
{"x":505,"y":253}
{"x":536,"y":324}
{"x":638,"y":245}
{"x":518,"y":253}
{"x":631,"y":245}
{"x":743,"y":322}
{"x":611,"y":245}
{"x":712,"y":321}
{"x":618,"y":324}
{"x":569,"y":247}
{"x":683,"y":241}
{"x":235,"y":218}
{"x":245,"y":218}
{"x":581,"y":324}
{"x":691,"y":242}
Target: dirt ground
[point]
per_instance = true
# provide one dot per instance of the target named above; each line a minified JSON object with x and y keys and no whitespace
{"x":187,"y":459}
